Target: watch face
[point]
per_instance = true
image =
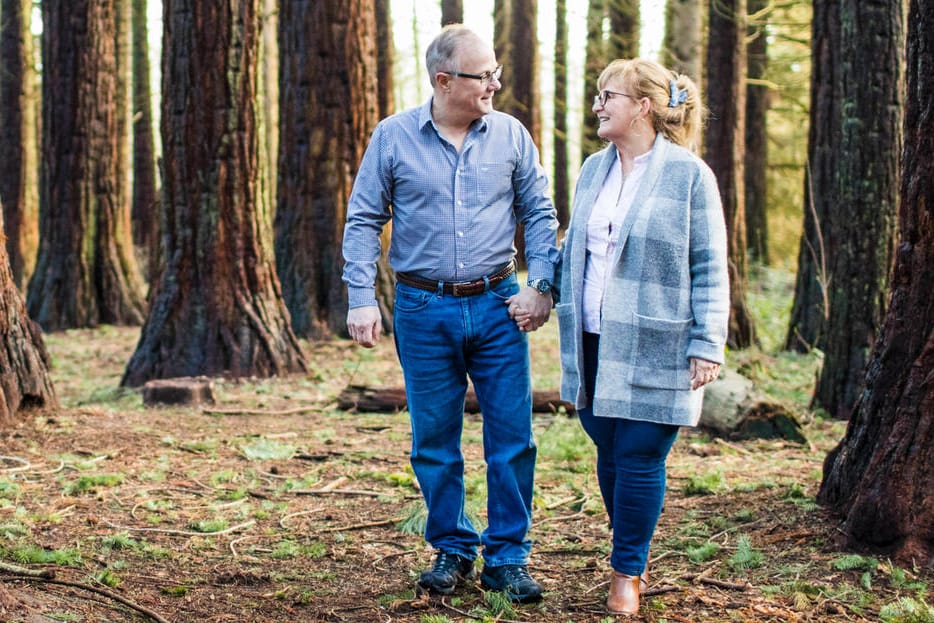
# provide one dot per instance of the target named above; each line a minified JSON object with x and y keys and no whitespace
{"x":543,"y":286}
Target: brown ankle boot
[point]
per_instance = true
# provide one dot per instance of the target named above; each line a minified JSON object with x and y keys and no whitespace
{"x":624,"y":594}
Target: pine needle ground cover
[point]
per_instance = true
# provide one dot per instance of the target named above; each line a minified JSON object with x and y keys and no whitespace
{"x":273,"y":505}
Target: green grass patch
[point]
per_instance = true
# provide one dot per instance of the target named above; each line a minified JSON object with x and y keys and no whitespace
{"x":852,"y":562}
{"x":208,"y":526}
{"x":89,"y":483}
{"x":704,"y":484}
{"x":35,"y":555}
{"x":907,"y":610}
{"x":267,"y":450}
{"x":745,"y":557}
{"x":703,"y":552}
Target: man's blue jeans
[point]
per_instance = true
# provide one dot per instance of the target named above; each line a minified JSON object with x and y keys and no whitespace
{"x":631,"y":459}
{"x":441,"y":341}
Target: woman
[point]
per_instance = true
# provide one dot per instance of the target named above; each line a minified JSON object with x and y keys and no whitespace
{"x":644,"y":298}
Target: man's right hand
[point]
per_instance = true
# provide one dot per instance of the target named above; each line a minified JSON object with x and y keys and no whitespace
{"x":365,"y":325}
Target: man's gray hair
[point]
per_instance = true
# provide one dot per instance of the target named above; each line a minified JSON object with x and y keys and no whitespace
{"x":444,"y":51}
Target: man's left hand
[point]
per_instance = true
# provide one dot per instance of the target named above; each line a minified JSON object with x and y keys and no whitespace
{"x":529,"y":308}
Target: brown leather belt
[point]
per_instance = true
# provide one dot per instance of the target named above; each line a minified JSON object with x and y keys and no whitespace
{"x":458,"y":288}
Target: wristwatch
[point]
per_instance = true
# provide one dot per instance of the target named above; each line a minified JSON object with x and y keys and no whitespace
{"x":543,"y":286}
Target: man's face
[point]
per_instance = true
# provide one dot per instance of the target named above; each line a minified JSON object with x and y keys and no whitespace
{"x":471,"y":96}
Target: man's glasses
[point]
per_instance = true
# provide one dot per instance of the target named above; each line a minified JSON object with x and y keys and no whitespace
{"x":605,"y":95}
{"x":485,"y":78}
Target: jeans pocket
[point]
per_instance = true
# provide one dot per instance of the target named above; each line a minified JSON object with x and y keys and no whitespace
{"x":410,"y":299}
{"x":503,"y":290}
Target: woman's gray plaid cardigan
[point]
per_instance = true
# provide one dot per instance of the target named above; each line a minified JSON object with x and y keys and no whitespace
{"x":667,"y":296}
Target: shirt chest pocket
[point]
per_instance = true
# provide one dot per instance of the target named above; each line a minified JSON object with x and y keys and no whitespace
{"x":494,"y":181}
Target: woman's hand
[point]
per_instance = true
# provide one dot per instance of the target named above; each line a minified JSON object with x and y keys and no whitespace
{"x":703,"y":372}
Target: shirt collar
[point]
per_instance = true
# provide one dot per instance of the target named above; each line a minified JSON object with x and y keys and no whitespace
{"x":424,"y":118}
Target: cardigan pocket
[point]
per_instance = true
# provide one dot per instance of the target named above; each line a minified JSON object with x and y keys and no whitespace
{"x":659,"y":353}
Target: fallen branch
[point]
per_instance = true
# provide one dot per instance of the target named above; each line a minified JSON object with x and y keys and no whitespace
{"x":558,"y":518}
{"x":360,"y":526}
{"x":298,"y":514}
{"x":294,"y":411}
{"x":393,"y":399}
{"x":372,"y":494}
{"x":181,"y":532}
{"x":46,"y":574}
{"x":23,"y":463}
{"x":34,"y":575}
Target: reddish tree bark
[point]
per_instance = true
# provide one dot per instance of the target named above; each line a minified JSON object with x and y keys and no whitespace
{"x":85,"y":272}
{"x":385,"y":58}
{"x":327,"y":113}
{"x":24,"y":362}
{"x":879,"y":477}
{"x":217,"y":308}
{"x":18,"y":150}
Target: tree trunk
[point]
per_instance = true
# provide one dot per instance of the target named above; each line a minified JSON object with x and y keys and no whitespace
{"x":24,"y":362}
{"x":123,"y":36}
{"x":879,"y":477}
{"x":217,"y":308}
{"x":503,"y":46}
{"x":683,"y":43}
{"x":523,"y":75}
{"x":757,"y":139}
{"x":85,"y":272}
{"x":561,"y":176}
{"x":269,"y":96}
{"x":452,"y":12}
{"x":811,"y":306}
{"x":865,"y":194}
{"x":724,"y":148}
{"x":624,"y":29}
{"x":328,"y":56}
{"x":144,"y":213}
{"x":19,"y":157}
{"x":595,"y":61}
{"x":385,"y":58}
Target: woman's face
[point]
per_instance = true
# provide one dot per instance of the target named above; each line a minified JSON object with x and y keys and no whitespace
{"x":617,"y":110}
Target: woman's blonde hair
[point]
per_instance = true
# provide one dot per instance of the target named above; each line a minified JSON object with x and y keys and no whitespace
{"x":675,"y":106}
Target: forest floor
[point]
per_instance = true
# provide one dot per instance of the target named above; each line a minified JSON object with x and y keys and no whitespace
{"x":273,"y":505}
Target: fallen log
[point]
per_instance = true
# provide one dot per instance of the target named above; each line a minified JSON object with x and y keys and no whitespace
{"x":392,"y":399}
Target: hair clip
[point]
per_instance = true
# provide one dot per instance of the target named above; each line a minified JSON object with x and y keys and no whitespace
{"x":678,"y":97}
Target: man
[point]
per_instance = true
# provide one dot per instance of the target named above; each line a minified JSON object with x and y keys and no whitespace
{"x":454,"y":176}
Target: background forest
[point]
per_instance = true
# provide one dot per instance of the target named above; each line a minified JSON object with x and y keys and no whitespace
{"x":174,"y":178}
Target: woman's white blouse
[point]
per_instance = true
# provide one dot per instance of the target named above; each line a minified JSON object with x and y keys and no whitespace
{"x":612,"y":205}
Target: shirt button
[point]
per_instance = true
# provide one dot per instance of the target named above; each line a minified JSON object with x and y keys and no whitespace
{"x":459,"y":202}
{"x":461,"y":265}
{"x":460,"y":234}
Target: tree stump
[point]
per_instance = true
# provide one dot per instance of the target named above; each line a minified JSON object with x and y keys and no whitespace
{"x":178,"y":391}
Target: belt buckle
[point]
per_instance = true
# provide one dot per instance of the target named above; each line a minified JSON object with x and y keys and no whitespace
{"x":457,"y":288}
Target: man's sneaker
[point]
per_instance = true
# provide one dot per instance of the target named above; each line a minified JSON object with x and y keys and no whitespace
{"x":447,"y":571}
{"x":514,"y":580}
